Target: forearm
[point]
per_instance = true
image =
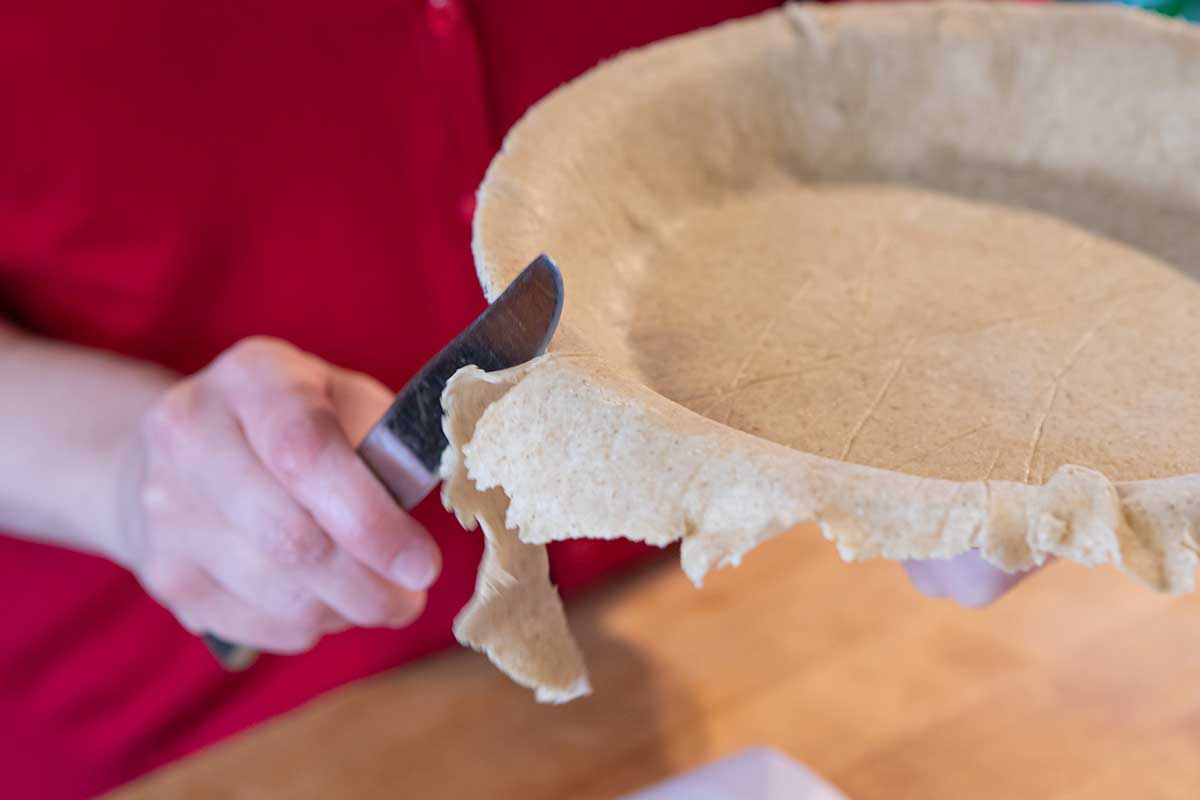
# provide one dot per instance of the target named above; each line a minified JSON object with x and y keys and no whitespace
{"x":67,"y":418}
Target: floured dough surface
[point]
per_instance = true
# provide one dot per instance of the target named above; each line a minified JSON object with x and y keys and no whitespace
{"x":918,"y":331}
{"x":916,"y":273}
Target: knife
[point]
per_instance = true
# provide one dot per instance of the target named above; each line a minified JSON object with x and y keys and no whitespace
{"x":405,"y":446}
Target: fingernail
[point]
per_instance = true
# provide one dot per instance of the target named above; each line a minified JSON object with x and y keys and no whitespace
{"x":414,"y":569}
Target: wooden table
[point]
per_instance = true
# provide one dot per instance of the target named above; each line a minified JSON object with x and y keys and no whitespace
{"x":1079,"y":685}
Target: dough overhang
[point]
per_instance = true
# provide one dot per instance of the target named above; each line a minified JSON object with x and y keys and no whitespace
{"x":564,"y":448}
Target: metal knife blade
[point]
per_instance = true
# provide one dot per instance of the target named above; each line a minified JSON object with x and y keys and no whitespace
{"x":405,"y":446}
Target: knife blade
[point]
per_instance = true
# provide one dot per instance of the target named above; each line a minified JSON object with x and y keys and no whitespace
{"x":404,"y":448}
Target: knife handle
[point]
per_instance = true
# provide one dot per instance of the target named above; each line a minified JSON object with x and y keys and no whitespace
{"x":401,"y":473}
{"x":233,"y":657}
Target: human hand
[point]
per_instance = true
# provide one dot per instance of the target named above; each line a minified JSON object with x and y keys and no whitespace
{"x":967,"y":579}
{"x":248,"y":514}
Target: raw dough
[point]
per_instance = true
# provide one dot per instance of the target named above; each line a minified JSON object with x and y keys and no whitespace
{"x":915,"y":273}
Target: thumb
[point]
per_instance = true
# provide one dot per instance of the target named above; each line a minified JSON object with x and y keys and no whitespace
{"x":359,"y":401}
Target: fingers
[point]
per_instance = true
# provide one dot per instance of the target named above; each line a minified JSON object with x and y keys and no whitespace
{"x":262,"y":525}
{"x":277,"y":592}
{"x":266,"y":563}
{"x":360,"y":401}
{"x":203,"y":605}
{"x":330,"y":596}
{"x":293,"y":428}
{"x":967,"y":579}
{"x":212,"y":457}
{"x":359,"y":595}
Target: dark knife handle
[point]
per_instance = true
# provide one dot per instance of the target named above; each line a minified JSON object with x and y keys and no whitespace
{"x":233,"y":657}
{"x":401,"y":473}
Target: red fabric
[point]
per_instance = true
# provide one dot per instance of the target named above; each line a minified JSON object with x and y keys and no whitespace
{"x":176,"y":176}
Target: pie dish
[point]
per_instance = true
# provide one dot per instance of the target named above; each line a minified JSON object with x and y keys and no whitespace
{"x":921,"y":274}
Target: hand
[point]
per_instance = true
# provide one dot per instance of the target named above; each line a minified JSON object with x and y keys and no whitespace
{"x":249,"y":515}
{"x":967,"y":579}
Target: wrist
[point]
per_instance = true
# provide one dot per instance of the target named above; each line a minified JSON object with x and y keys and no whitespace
{"x":69,"y":419}
{"x":107,"y":519}
{"x":113,"y":528}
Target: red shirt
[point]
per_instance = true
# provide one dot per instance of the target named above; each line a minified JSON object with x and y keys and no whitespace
{"x":176,"y":176}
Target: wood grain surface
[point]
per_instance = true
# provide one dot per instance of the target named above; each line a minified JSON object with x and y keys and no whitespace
{"x":1081,"y":684}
